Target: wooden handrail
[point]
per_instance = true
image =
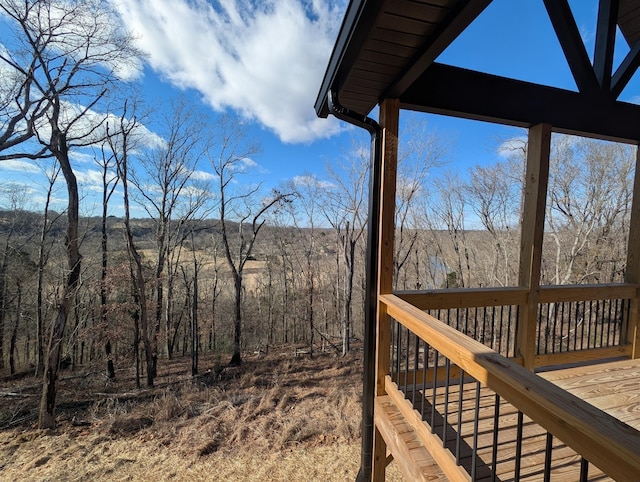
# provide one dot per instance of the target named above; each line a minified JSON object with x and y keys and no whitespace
{"x":568,"y":293}
{"x":478,"y":297}
{"x":605,"y":441}
{"x":463,"y":297}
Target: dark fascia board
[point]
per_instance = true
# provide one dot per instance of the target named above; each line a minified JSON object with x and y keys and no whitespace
{"x":444,"y":89}
{"x":358,"y":21}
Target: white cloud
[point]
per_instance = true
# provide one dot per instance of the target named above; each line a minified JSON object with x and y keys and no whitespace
{"x":202,"y":176}
{"x":312,"y":181}
{"x":20,"y":166}
{"x":89,"y":127}
{"x":263,"y":59}
{"x":515,"y":145}
{"x":90,"y":177}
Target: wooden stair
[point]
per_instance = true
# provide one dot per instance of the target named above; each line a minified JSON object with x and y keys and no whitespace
{"x":413,"y":459}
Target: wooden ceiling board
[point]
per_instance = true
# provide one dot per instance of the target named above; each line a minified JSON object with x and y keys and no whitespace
{"x":393,"y":37}
{"x":387,"y":47}
{"x":413,"y":10}
{"x":629,"y":20}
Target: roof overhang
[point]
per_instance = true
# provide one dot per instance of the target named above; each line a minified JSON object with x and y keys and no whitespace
{"x":388,"y":48}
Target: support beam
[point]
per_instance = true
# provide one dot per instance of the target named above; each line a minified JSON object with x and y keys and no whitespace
{"x":448,"y":90}
{"x":534,"y":205}
{"x":389,"y":123}
{"x":625,"y":71}
{"x":605,"y":42}
{"x":632,"y":274}
{"x":571,"y":42}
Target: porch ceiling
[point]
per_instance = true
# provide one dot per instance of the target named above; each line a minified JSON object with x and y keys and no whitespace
{"x":387,"y":49}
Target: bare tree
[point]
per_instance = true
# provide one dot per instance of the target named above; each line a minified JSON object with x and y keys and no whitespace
{"x":44,"y":249}
{"x":122,"y":138}
{"x":450,"y":211}
{"x":494,"y":195}
{"x":171,"y":196}
{"x":307,"y":207}
{"x":70,"y":53}
{"x":345,"y":210}
{"x":16,"y":196}
{"x":590,"y":186}
{"x":240,"y":206}
{"x":421,"y":151}
{"x":106,"y":161}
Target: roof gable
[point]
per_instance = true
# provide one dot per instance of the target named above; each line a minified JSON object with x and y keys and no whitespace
{"x":388,"y":49}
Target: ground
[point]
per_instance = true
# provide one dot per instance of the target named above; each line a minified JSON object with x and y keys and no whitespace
{"x":276,"y":418}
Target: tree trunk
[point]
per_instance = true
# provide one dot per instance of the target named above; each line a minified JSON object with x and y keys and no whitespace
{"x":111,"y":372}
{"x":236,"y":359}
{"x":48,"y":401}
{"x":194,"y":325}
{"x":3,"y":294}
{"x":14,"y":332}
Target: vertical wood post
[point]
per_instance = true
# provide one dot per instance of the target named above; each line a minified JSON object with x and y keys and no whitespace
{"x":534,"y":205}
{"x":389,"y":119}
{"x":632,"y":274}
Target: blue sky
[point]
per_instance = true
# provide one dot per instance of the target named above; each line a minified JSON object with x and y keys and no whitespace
{"x":264,"y":60}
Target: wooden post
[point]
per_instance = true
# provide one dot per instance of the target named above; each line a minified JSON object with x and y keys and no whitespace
{"x":534,"y":205}
{"x":389,"y":119}
{"x":632,"y":274}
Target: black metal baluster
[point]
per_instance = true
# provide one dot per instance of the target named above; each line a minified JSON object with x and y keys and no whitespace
{"x":516,"y":475}
{"x":496,"y":430}
{"x":392,"y":368}
{"x":619,"y":322}
{"x":516,"y":331}
{"x":576,"y":319}
{"x":562,"y":323}
{"x":555,"y":327}
{"x":600,"y":320}
{"x":584,"y":322}
{"x":500,"y":332}
{"x":492,"y":329}
{"x":584,"y":470}
{"x":509,"y":329}
{"x":406,"y":362}
{"x":476,"y":421}
{"x":445,"y":416}
{"x":435,"y":386}
{"x":459,"y":428}
{"x":547,"y":457}
{"x":542,"y":348}
{"x":483,"y":333}
{"x":610,"y":302}
{"x":415,"y":370}
{"x":398,"y":350}
{"x":589,"y":342}
{"x":425,"y":367}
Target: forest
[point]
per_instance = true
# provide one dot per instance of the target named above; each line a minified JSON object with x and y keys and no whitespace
{"x":205,"y":261}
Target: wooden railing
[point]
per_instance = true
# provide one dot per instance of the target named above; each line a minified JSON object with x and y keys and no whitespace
{"x":426,"y":352}
{"x":574,"y":323}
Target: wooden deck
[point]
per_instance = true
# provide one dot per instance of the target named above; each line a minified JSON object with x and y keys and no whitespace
{"x":613,"y":387}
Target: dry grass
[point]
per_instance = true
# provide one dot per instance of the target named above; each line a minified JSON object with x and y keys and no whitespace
{"x":275,"y":418}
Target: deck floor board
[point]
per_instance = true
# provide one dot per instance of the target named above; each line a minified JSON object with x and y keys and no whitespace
{"x":616,"y":390}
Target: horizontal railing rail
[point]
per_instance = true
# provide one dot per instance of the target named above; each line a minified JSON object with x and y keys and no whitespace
{"x":583,"y":317}
{"x":488,"y":315}
{"x":423,"y":348}
{"x":574,"y":322}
